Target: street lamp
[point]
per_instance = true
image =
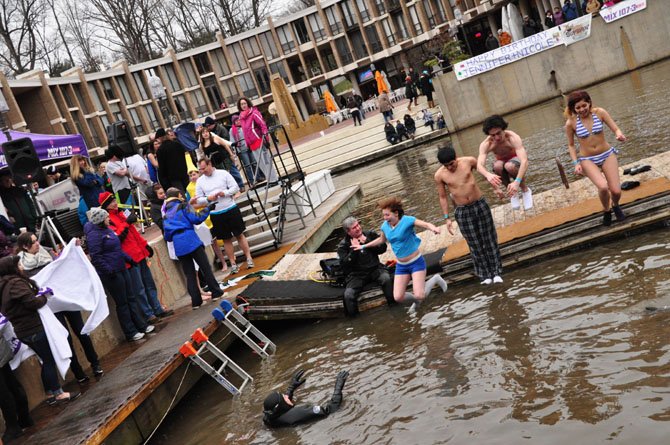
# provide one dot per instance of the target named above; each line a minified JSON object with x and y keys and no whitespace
{"x":4,"y":109}
{"x":158,"y":92}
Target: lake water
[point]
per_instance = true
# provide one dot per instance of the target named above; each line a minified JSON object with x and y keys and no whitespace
{"x":562,"y":353}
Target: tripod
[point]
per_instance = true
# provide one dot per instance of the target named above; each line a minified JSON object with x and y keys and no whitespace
{"x":135,"y":199}
{"x":47,"y":225}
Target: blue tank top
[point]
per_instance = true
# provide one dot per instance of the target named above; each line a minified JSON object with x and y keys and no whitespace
{"x":153,"y":173}
{"x":582,"y":132}
{"x":402,"y":238}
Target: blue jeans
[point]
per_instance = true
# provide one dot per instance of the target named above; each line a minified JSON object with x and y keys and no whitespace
{"x":249,"y":164}
{"x":235,"y":173}
{"x":145,"y":289}
{"x":40,"y":344}
{"x":119,"y":286}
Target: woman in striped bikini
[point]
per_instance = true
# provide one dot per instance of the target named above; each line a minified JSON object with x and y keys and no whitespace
{"x":597,"y":159}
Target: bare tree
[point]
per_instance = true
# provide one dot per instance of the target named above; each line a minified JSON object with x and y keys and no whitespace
{"x":82,"y":35}
{"x":19,"y":22}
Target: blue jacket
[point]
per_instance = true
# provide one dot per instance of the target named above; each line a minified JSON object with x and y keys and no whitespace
{"x":90,"y":187}
{"x":569,"y":11}
{"x":105,"y":250}
{"x":178,"y":226}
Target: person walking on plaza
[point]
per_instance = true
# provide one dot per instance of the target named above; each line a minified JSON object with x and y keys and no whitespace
{"x":110,"y":261}
{"x":455,"y":179}
{"x":511,"y":162}
{"x":179,"y":221}
{"x":33,"y":258}
{"x":255,"y":133}
{"x":137,"y":248}
{"x":427,"y":88}
{"x":13,"y":399}
{"x":361,"y":267}
{"x":415,"y":80}
{"x":410,"y":92}
{"x":398,"y":230}
{"x":597,"y":159}
{"x":219,"y":188}
{"x":385,"y":107}
{"x":20,"y":300}
{"x":172,"y":169}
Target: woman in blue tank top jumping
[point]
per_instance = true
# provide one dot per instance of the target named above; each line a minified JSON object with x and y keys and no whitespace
{"x":597,"y":159}
{"x":398,"y":230}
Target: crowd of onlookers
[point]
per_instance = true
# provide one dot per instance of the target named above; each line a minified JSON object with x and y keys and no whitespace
{"x":191,"y":194}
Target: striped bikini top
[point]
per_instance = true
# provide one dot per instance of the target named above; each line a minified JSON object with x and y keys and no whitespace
{"x":582,"y":132}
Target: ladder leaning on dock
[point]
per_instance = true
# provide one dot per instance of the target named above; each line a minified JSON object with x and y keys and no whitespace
{"x":243,"y":328}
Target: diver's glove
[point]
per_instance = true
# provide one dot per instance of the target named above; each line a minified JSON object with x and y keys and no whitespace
{"x":336,"y":399}
{"x":295,"y":383}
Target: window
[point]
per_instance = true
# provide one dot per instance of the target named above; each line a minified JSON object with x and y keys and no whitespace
{"x":201,"y":108}
{"x":301,"y":31}
{"x":262,"y":79}
{"x":373,"y":39}
{"x":316,"y":26}
{"x":202,"y":63}
{"x":230,"y":94}
{"x":136,"y":122}
{"x":66,"y":96}
{"x":172,"y":78}
{"x":80,"y":98}
{"x":124,"y":90}
{"x":268,"y":44}
{"x":358,"y":45}
{"x":429,"y":13}
{"x":140,"y":86}
{"x":187,"y":66}
{"x":380,"y":6}
{"x":285,"y":39}
{"x":116,"y":111}
{"x":440,"y":15}
{"x":105,"y":121}
{"x":213,"y":93}
{"x":220,"y":62}
{"x":279,"y":68}
{"x":402,"y":29}
{"x":415,"y":20}
{"x":248,"y":87}
{"x":107,"y":87}
{"x":388,"y":32}
{"x":235,"y":51}
{"x":333,"y":20}
{"x":343,"y":51}
{"x":348,"y":13}
{"x":363,"y":9}
{"x":153,"y":118}
{"x":95,"y":132}
{"x":251,"y":47}
{"x":182,"y":108}
{"x":328,"y":59}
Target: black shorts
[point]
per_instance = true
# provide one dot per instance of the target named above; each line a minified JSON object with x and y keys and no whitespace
{"x":228,"y":224}
{"x":429,"y":96}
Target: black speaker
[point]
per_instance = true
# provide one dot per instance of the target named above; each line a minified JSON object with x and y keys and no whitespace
{"x":119,"y":134}
{"x":23,"y":162}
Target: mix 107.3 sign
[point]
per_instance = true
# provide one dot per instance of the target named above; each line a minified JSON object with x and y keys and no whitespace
{"x":46,"y":153}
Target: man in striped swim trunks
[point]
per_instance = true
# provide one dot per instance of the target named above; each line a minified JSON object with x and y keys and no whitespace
{"x":473,"y":215}
{"x":510,"y":165}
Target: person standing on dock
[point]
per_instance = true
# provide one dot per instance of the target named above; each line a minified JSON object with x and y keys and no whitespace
{"x":361,"y":267}
{"x":511,"y":162}
{"x":597,"y":159}
{"x":472,"y":213}
{"x":398,"y":229}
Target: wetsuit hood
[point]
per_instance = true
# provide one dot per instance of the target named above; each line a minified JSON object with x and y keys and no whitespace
{"x":274,"y":406}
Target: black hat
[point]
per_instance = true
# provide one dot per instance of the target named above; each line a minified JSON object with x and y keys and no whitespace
{"x":274,"y":405}
{"x":160,"y":133}
{"x":209,"y":121}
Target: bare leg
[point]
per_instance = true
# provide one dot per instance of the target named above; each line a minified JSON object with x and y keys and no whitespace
{"x":230,"y":251}
{"x":400,"y":283}
{"x":219,"y":254}
{"x":498,"y":169}
{"x":419,"y":284}
{"x":592,"y":172}
{"x":244,"y":245}
{"x":610,"y":169}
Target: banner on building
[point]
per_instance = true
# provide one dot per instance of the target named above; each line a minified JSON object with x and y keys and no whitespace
{"x":566,"y":34}
{"x":621,"y":10}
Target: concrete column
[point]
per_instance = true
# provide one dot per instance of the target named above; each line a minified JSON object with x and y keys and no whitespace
{"x":423,"y":15}
{"x":448,"y":9}
{"x":14,"y":118}
{"x":301,"y":105}
{"x":493,"y":24}
{"x":524,"y":8}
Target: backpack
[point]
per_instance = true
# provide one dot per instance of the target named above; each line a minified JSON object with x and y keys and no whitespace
{"x":332,"y":272}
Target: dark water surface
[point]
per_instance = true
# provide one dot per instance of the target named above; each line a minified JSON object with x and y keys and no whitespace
{"x":563,"y":353}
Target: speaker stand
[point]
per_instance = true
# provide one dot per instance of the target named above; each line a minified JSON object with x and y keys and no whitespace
{"x":47,"y":226}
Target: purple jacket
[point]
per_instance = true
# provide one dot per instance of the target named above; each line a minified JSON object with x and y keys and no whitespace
{"x":104,"y":247}
{"x":253,"y":127}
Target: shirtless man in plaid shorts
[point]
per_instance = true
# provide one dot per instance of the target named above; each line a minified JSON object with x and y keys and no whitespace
{"x":472,"y":213}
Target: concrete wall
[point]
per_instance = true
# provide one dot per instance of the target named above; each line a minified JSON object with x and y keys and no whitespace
{"x":611,"y":50}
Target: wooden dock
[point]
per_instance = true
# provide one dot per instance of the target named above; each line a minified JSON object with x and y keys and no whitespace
{"x":561,"y":220}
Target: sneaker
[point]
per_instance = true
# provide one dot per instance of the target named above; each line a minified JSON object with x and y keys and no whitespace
{"x":167,"y":313}
{"x":516,"y":203}
{"x":69,"y":398}
{"x":234,"y":269}
{"x":97,"y":371}
{"x":153,"y":320}
{"x":527,"y":197}
{"x":250,"y":263}
{"x":607,"y":218}
{"x":83,"y":379}
{"x":487,"y":281}
{"x":138,"y":336}
{"x":497,"y":279}
{"x":149,"y":329}
{"x":620,"y":216}
{"x":216,"y":297}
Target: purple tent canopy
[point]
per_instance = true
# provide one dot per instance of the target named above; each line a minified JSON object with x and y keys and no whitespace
{"x":49,"y":146}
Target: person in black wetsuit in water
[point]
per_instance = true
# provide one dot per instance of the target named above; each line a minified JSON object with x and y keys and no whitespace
{"x":279,"y":410}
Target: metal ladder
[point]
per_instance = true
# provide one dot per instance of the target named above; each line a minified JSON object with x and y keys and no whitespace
{"x":243,"y":328}
{"x":188,"y":350}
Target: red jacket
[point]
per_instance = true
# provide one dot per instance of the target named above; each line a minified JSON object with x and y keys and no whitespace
{"x":133,"y":243}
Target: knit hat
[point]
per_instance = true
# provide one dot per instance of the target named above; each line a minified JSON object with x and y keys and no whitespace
{"x":105,"y":199}
{"x":97,"y":215}
{"x":234,"y":118}
{"x":209,"y":121}
{"x":160,"y":133}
